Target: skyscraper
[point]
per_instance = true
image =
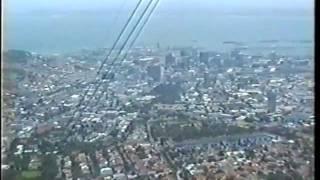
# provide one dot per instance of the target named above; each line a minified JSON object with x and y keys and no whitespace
{"x":184,"y":53}
{"x":204,"y":57}
{"x":169,"y":60}
{"x":236,"y":57}
{"x":162,"y":74}
{"x":206,"y":78}
{"x":154,"y":71}
{"x":271,"y":95}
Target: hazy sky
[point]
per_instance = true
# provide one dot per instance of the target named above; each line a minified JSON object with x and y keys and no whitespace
{"x":31,"y":5}
{"x":73,"y":24}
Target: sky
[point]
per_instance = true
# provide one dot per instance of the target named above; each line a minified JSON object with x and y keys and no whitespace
{"x":17,"y":6}
{"x":69,"y":22}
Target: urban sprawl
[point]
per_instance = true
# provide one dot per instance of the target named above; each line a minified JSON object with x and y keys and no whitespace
{"x":162,"y":114}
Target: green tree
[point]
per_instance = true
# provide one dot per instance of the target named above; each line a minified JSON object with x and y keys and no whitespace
{"x":278,"y":176}
{"x":49,"y":168}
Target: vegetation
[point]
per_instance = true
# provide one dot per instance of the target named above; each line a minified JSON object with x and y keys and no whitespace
{"x":31,"y":174}
{"x":185,"y":132}
{"x":278,"y":176}
{"x":16,"y":56}
{"x":168,"y":93}
{"x":95,"y":163}
{"x":75,"y":168}
{"x":9,"y":174}
{"x":49,"y":168}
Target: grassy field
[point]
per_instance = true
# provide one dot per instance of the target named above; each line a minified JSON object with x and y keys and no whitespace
{"x":30,"y":174}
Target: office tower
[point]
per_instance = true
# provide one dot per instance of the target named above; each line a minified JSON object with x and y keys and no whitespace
{"x":216,"y":60}
{"x":184,"y":53}
{"x":236,"y":57}
{"x":204,"y":57}
{"x":273,"y":56}
{"x":272,"y":102}
{"x":154,"y":71}
{"x":206,"y":79}
{"x":169,"y":60}
{"x":162,"y":74}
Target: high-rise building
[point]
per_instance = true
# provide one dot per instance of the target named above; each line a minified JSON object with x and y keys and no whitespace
{"x":183,"y":63}
{"x":273,"y":56}
{"x":206,"y":78}
{"x":154,"y":71}
{"x":169,"y":59}
{"x":237,"y":57}
{"x":184,"y":53}
{"x":204,"y":57}
{"x":162,"y":74}
{"x":234,"y":53}
{"x":272,"y":102}
{"x":216,"y":60}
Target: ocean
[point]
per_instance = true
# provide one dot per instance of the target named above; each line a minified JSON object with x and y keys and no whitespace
{"x":67,"y":32}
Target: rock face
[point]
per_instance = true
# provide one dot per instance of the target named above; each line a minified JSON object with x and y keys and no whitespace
{"x":14,"y":62}
{"x":17,"y":56}
{"x":13,"y":71}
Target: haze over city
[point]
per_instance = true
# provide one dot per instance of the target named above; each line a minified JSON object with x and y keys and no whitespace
{"x":158,"y":90}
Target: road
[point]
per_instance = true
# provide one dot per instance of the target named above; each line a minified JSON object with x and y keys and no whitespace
{"x":178,"y":176}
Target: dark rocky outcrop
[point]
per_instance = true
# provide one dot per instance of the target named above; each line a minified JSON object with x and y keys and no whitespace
{"x":13,"y":68}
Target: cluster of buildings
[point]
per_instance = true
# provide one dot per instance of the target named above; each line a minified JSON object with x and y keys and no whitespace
{"x":155,"y":115}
